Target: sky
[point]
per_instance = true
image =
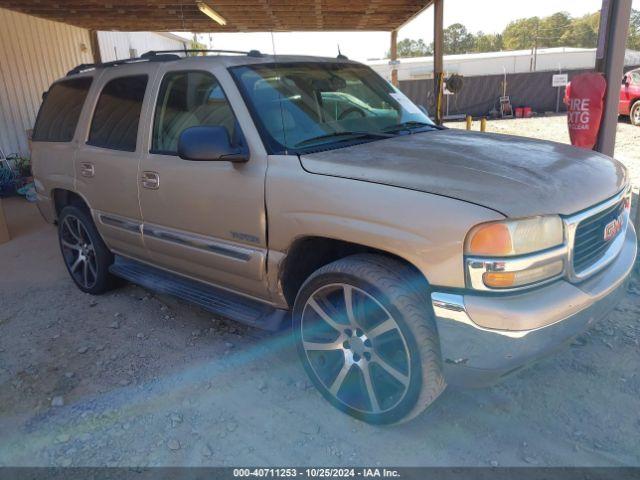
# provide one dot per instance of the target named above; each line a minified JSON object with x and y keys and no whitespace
{"x":490,"y":16}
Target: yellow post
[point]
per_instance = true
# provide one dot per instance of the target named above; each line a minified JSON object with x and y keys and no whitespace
{"x":483,"y":124}
{"x":469,"y":122}
{"x":4,"y":230}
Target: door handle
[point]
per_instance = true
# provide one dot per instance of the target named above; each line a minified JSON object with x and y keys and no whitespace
{"x":87,"y":169}
{"x":150,"y":180}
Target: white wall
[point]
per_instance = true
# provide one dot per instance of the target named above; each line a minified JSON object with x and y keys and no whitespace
{"x":492,"y":63}
{"x":33,"y":53}
{"x":117,"y":45}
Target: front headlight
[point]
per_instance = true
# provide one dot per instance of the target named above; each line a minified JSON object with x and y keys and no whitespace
{"x":515,"y":237}
{"x":515,"y":253}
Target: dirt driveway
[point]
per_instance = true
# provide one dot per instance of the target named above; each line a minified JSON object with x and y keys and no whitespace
{"x":133,"y":379}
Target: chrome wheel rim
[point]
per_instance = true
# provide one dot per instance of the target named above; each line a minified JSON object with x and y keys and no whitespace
{"x":355,"y":348}
{"x":636,"y":115}
{"x":78,"y":251}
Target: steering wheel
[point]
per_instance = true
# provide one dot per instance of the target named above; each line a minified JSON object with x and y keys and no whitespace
{"x":350,"y":110}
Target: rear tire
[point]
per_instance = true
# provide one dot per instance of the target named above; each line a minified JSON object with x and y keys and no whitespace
{"x":634,"y":114}
{"x":367,"y":339}
{"x":85,"y":254}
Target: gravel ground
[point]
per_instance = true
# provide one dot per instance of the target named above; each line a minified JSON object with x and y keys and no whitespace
{"x":135,"y":379}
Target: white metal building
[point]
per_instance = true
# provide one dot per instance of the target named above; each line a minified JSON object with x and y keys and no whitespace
{"x":29,"y":62}
{"x":120,"y":45}
{"x":496,"y":63}
{"x":35,"y":52}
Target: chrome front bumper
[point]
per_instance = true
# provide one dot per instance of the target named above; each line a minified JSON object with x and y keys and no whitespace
{"x":484,"y":337}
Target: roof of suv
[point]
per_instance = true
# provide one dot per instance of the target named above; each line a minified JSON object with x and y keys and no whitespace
{"x":225,"y":60}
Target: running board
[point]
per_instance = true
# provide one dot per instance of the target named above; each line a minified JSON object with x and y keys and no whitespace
{"x":215,"y":300}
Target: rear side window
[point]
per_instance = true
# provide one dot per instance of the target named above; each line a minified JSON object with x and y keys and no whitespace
{"x":60,"y":110}
{"x":117,"y":115}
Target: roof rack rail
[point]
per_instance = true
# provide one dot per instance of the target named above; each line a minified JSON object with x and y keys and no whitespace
{"x":83,"y":67}
{"x":155,"y":56}
{"x":250,"y":53}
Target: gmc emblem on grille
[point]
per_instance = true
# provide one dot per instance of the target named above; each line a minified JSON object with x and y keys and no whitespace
{"x":612,"y":228}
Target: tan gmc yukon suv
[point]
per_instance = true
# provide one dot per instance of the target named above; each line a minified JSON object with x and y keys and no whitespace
{"x":309,"y":190}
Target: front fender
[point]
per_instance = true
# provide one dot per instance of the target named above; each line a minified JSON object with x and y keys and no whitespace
{"x":426,"y":230}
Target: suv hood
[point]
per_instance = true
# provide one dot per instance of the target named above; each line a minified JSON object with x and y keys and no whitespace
{"x":515,"y":176}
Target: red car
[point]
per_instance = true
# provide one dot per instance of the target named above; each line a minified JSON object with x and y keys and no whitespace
{"x":629,"y":96}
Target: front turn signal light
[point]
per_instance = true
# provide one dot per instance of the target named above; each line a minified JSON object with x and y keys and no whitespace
{"x":491,"y":239}
{"x":523,"y":277}
{"x":499,"y":279}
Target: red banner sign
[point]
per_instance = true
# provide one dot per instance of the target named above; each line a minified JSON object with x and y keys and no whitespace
{"x":585,"y":101}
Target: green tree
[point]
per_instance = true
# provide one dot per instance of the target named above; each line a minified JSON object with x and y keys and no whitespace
{"x":456,"y":39}
{"x":412,"y":48}
{"x":583,"y":32}
{"x":633,"y":40}
{"x":550,"y":29}
{"x":557,"y":30}
{"x":488,"y":42}
{"x":520,"y":34}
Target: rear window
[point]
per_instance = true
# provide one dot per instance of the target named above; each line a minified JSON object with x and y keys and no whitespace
{"x":117,"y":115}
{"x":60,"y":110}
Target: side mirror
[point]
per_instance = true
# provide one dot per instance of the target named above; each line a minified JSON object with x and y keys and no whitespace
{"x":209,"y":144}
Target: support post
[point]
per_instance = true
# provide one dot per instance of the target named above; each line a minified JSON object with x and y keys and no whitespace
{"x":612,"y":38}
{"x":394,"y":58}
{"x":438,"y":64}
{"x":95,"y":46}
{"x":4,"y":229}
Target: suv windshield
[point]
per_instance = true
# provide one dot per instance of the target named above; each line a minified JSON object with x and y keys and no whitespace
{"x":306,"y":106}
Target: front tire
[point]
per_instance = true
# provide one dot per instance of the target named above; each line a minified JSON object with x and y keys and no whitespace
{"x":367,"y":339}
{"x":634,"y":114}
{"x":85,"y":254}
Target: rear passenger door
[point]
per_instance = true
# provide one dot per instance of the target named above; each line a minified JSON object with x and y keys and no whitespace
{"x":203,"y":219}
{"x":107,"y":162}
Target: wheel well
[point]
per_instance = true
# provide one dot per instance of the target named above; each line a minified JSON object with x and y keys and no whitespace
{"x":308,"y":254}
{"x":63,"y":198}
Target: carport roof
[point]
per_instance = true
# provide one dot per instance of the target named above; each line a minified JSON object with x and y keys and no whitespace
{"x":241,"y":16}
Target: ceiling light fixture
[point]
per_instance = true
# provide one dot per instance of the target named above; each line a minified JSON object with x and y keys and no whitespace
{"x":211,"y":13}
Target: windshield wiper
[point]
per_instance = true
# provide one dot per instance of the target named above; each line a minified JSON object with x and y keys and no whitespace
{"x":346,"y":133}
{"x":409,"y":126}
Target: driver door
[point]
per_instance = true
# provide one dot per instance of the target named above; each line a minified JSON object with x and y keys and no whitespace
{"x":203,"y":219}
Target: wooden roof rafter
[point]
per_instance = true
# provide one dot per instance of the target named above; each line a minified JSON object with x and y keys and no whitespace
{"x":241,"y":16}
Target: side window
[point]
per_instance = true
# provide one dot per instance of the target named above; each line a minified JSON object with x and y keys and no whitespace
{"x":189,"y":99}
{"x":117,"y":115}
{"x":60,"y":110}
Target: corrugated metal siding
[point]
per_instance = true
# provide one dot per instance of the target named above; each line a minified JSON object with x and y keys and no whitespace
{"x":117,"y":45}
{"x":480,"y":95}
{"x":33,"y":53}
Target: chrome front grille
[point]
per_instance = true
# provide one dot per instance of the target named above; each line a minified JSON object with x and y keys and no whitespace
{"x":589,"y":251}
{"x":589,"y":244}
